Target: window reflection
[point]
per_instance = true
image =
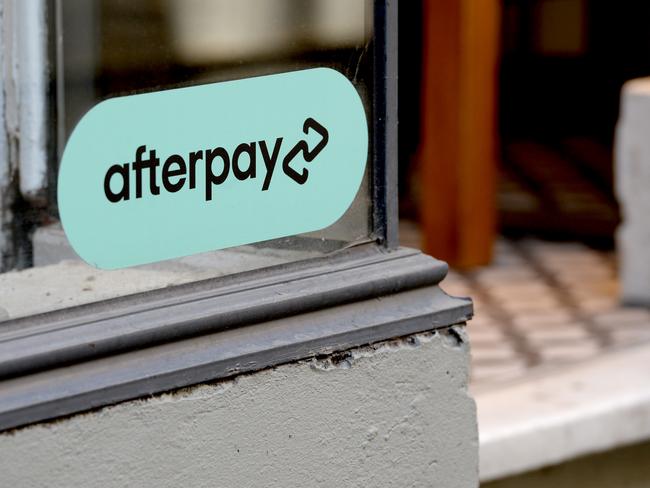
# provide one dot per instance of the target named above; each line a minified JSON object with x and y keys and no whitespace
{"x":123,"y":46}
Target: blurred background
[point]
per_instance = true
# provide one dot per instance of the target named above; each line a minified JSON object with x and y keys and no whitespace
{"x":537,"y":85}
{"x":523,"y":163}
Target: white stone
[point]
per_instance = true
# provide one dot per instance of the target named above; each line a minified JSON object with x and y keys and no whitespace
{"x":584,"y":408}
{"x":633,"y":190}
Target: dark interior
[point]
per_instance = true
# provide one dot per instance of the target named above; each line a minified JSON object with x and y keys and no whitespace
{"x":561,"y":76}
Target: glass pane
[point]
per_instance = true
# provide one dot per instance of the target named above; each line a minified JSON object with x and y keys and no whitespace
{"x":114,"y":48}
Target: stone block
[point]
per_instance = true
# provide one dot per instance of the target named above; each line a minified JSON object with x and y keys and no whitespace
{"x":632,"y":169}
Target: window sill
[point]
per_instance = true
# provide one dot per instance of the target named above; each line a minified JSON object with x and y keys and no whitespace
{"x":98,"y":354}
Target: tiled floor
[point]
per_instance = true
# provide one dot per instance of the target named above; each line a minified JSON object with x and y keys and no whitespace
{"x":561,"y":186}
{"x":541,"y":305}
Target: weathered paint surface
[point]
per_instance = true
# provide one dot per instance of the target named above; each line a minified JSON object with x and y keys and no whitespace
{"x":6,"y":170}
{"x":395,"y":414}
{"x":23,"y":117}
{"x":31,"y":50}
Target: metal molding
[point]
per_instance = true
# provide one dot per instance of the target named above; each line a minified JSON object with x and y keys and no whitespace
{"x":115,"y":326}
{"x":67,"y":390}
{"x":385,"y":109}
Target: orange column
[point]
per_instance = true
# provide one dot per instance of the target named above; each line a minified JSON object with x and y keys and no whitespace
{"x":458,"y":155}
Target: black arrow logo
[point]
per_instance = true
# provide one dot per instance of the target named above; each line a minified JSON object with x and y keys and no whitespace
{"x":302,"y":147}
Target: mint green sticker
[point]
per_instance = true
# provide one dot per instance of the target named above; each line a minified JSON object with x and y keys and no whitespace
{"x":162,"y":175}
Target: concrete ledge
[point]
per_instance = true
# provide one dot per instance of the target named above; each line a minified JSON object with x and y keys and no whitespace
{"x":554,"y":417}
{"x":394,"y":414}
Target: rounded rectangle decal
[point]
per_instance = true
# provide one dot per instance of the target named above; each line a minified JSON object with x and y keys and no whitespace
{"x":150,"y":177}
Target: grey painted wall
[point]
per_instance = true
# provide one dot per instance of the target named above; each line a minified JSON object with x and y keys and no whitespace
{"x":393,"y":415}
